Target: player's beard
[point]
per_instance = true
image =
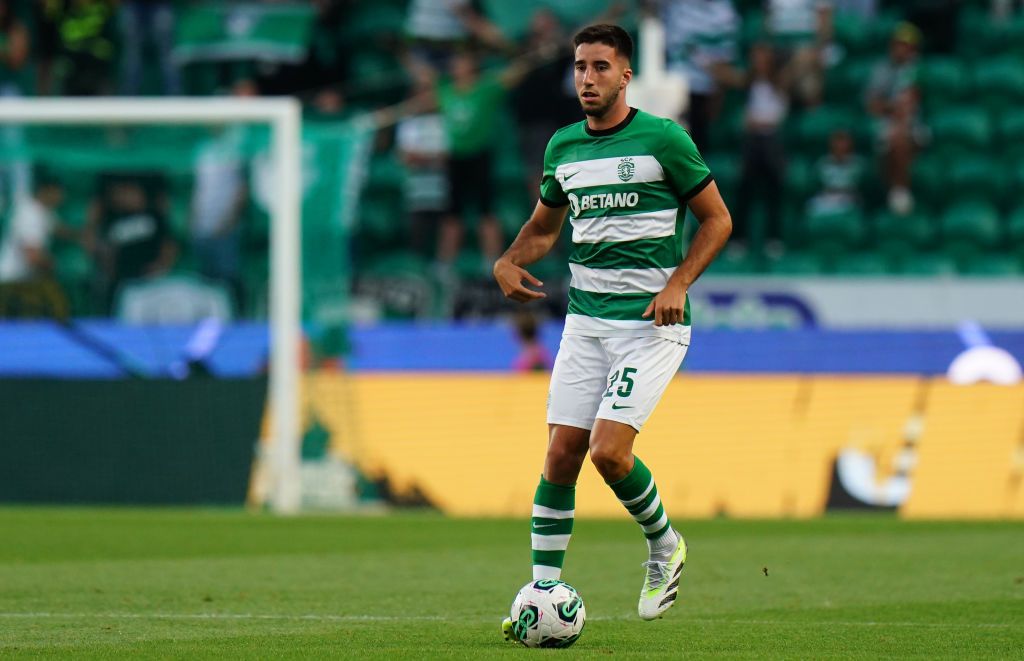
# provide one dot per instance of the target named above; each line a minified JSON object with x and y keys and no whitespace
{"x":602,"y":110}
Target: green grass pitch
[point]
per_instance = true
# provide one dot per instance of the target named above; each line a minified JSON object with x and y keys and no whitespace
{"x":89,"y":583}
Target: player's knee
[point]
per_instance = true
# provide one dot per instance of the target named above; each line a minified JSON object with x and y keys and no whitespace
{"x":612,"y":463}
{"x":564,"y":462}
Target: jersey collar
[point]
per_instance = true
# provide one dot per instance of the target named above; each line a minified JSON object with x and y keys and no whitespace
{"x":597,"y":133}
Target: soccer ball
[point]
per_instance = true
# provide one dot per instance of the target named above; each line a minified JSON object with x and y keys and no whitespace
{"x":548,"y":613}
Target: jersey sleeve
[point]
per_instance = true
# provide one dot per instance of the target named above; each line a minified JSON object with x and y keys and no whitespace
{"x":551,"y":193}
{"x":685,"y":170}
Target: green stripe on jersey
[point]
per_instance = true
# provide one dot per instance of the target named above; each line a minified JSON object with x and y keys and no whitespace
{"x":618,"y":307}
{"x":664,"y":252}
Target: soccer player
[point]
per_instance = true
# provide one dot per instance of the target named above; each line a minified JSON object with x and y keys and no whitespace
{"x":625,"y":178}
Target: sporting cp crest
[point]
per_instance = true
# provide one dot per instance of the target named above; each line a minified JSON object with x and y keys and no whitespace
{"x":626,"y":168}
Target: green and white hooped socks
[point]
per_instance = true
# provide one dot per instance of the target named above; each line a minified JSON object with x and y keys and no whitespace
{"x":554,"y":506}
{"x":639,"y":495}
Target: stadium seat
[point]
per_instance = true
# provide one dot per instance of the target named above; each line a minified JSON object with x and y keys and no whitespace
{"x":896,"y":235}
{"x":814,"y":127}
{"x":725,"y":168}
{"x":845,"y":84}
{"x":1010,"y":132}
{"x":1015,"y":231}
{"x":944,"y":81}
{"x":835,"y":232}
{"x":862,"y":264}
{"x":853,"y":32}
{"x":928,"y":264}
{"x":796,"y":263}
{"x":977,"y":175}
{"x":994,"y":265}
{"x":799,"y":184}
{"x":999,"y":82}
{"x":981,"y":35}
{"x":970,"y":224}
{"x":961,"y":128}
{"x":731,"y":262}
{"x":928,"y":175}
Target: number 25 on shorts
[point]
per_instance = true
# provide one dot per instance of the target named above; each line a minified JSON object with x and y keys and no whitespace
{"x":626,"y":386}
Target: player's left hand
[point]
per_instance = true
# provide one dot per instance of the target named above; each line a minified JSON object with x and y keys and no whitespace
{"x":667,"y":307}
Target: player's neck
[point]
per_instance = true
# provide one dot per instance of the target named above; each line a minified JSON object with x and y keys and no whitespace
{"x":615,"y":116}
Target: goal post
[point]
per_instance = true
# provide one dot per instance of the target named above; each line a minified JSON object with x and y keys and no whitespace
{"x":283,"y":116}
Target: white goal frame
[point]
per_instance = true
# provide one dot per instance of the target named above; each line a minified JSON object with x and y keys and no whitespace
{"x":284,"y":117}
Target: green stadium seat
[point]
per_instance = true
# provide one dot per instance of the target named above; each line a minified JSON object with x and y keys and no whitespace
{"x":981,"y":35}
{"x":399,"y":263}
{"x":863,"y":264}
{"x":999,"y":82}
{"x":944,"y":81}
{"x":835,"y":231}
{"x":799,"y":184}
{"x":976,"y":175}
{"x":963,"y":128}
{"x":1010,"y":132}
{"x":725,"y":168}
{"x":796,"y":263}
{"x":928,"y":175}
{"x":994,"y":265}
{"x":814,"y":127}
{"x":1015,"y":231}
{"x":732,"y":262}
{"x":845,"y":85}
{"x":375,"y":19}
{"x":928,"y":264}
{"x":853,"y":32}
{"x":974,"y":223}
{"x":896,"y":235}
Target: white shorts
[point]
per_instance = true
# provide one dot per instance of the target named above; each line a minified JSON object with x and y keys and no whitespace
{"x":614,"y":378}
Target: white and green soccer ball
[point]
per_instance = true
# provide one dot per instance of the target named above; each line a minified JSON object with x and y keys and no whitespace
{"x":548,"y":613}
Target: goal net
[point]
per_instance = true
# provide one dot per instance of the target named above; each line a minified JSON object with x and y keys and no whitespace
{"x":214,"y":219}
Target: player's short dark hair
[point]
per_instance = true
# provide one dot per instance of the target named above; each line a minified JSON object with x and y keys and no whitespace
{"x":607,"y":34}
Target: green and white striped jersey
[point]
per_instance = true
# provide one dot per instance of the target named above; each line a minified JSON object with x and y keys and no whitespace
{"x":626,"y":188}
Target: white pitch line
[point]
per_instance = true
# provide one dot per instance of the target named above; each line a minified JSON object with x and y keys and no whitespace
{"x":440,"y":618}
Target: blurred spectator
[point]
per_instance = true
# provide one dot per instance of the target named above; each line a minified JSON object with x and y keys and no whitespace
{"x":14,"y":51}
{"x":533,"y":356}
{"x":861,"y":8}
{"x":153,"y":20}
{"x":469,"y":103}
{"x":545,"y":100}
{"x":700,"y":36}
{"x":839,"y":176}
{"x":422,"y":146}
{"x":791,"y":23}
{"x":438,"y":28}
{"x":25,"y":248}
{"x":761,"y":178}
{"x":218,"y":202}
{"x":76,"y":47}
{"x":128,"y":232}
{"x":892,"y":97}
{"x":320,"y":75}
{"x":811,"y":62}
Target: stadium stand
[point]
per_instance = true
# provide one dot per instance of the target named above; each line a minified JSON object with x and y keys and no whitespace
{"x":969,"y":131}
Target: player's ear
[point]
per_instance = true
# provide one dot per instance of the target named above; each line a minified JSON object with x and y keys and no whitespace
{"x":627,"y":75}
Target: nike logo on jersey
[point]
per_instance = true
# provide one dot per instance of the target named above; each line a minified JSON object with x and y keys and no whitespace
{"x":566,"y":176}
{"x":616,"y":407}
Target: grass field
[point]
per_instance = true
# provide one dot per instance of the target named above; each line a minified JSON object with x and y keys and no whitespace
{"x":90,"y":583}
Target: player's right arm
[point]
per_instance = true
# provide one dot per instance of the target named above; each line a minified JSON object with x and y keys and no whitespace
{"x":534,"y":241}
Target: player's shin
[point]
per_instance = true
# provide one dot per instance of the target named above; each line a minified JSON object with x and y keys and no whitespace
{"x":639,"y":495}
{"x":554,"y":506}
